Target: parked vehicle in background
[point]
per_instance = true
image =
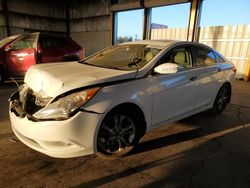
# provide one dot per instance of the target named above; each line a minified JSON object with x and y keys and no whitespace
{"x":3,"y":67}
{"x":105,"y":103}
{"x":19,"y":52}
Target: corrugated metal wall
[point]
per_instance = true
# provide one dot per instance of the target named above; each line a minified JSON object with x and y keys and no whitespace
{"x":33,"y":15}
{"x":90,"y":24}
{"x":3,"y":30}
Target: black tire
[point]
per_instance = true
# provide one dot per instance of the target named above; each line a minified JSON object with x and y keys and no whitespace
{"x":221,"y":100}
{"x":118,"y":134}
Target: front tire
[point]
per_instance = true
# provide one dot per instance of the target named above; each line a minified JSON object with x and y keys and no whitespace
{"x":118,"y":134}
{"x":221,"y":100}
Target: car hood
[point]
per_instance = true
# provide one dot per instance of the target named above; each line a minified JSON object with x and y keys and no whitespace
{"x":56,"y":78}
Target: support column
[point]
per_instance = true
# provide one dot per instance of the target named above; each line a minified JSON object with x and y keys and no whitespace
{"x":194,"y":20}
{"x":67,"y":4}
{"x":6,"y":15}
{"x":147,"y":23}
{"x":114,"y":31}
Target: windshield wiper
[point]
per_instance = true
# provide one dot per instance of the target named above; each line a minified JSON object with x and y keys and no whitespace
{"x":109,"y":66}
{"x":86,"y":63}
{"x":103,"y":66}
{"x":135,"y":62}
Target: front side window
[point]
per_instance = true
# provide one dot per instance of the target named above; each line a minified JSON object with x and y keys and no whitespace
{"x":124,"y":57}
{"x":28,"y":41}
{"x":204,"y":56}
{"x":180,"y":56}
{"x":7,"y":40}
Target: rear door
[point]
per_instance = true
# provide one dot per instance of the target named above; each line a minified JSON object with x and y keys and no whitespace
{"x":22,"y":54}
{"x":209,"y":76}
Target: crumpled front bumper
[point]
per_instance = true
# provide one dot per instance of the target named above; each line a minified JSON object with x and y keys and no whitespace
{"x":73,"y":137}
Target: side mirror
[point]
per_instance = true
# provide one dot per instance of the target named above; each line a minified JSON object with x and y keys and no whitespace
{"x":166,"y":68}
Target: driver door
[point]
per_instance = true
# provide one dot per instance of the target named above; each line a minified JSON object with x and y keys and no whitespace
{"x":22,"y":54}
{"x":173,"y":94}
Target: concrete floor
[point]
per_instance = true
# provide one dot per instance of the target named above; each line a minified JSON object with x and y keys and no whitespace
{"x":199,"y":151}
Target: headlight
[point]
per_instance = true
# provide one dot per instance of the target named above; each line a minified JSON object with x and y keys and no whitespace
{"x":65,"y":106}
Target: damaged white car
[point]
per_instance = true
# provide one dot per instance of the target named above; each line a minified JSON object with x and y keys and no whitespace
{"x":105,"y":103}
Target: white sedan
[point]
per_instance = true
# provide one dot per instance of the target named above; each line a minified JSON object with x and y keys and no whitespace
{"x":107,"y":102}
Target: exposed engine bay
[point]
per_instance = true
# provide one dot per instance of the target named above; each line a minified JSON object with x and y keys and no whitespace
{"x":27,"y":102}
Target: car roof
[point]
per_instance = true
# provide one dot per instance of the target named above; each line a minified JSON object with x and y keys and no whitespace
{"x":152,"y":42}
{"x":164,"y":43}
{"x":53,"y":35}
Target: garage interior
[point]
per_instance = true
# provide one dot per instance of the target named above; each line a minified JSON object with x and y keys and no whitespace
{"x":94,"y":24}
{"x":199,"y":151}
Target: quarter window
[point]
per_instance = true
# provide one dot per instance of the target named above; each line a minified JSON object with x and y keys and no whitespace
{"x":219,"y":58}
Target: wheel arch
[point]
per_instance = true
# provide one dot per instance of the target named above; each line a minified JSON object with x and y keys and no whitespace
{"x":122,"y":106}
{"x":132,"y":106}
{"x":228,"y":84}
{"x":127,"y":106}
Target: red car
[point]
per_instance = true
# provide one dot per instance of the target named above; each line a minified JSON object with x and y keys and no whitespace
{"x":19,"y":52}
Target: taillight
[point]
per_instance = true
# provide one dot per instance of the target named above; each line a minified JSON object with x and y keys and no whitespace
{"x":234,"y":69}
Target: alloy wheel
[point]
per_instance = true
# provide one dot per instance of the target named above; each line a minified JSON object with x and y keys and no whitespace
{"x":116,"y":134}
{"x":221,"y":99}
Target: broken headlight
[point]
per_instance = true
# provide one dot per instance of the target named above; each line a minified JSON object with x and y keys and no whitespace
{"x":65,"y":106}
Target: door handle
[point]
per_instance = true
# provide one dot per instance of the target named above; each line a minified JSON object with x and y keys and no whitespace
{"x":193,"y":78}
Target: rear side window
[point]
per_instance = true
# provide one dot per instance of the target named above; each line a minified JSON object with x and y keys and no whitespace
{"x":49,"y":43}
{"x":204,"y":56}
{"x":54,"y":42}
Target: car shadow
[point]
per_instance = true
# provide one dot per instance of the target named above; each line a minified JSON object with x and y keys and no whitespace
{"x":211,"y":127}
{"x":202,"y":124}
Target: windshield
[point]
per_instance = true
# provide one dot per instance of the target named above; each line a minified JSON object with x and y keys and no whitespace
{"x":124,"y":57}
{"x":7,"y":40}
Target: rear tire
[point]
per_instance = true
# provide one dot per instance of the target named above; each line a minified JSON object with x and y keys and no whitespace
{"x":221,"y":100}
{"x":118,"y":134}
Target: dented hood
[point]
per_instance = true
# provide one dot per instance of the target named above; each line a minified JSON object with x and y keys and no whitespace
{"x":56,"y":78}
